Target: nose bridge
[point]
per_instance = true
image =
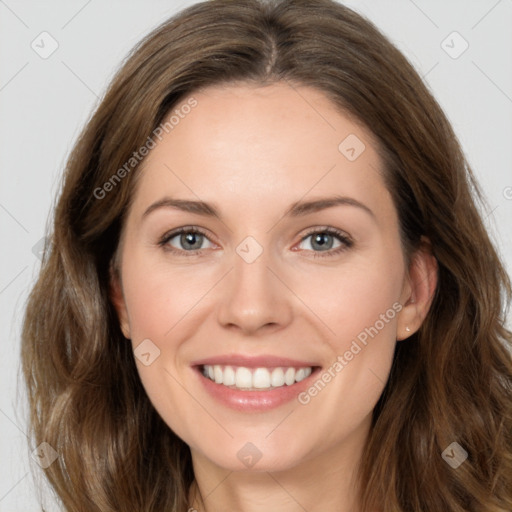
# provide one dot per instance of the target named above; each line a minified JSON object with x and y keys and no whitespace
{"x":251,"y":268}
{"x":254,"y":296}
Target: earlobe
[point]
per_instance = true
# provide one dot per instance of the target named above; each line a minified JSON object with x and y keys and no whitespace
{"x":117,"y":298}
{"x":419,"y":290}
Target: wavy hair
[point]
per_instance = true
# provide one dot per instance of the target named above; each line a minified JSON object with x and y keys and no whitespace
{"x":451,"y":381}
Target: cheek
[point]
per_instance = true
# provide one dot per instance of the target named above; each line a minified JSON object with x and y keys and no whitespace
{"x":352,"y":299}
{"x":159,"y":297}
{"x":162,"y":303}
{"x":359,"y":306}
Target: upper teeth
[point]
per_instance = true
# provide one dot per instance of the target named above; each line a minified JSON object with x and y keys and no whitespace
{"x":258,"y":378}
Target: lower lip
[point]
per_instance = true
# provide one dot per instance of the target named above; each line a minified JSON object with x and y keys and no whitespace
{"x":255,"y":401}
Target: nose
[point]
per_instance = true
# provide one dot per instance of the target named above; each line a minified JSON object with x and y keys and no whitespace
{"x":255,"y":297}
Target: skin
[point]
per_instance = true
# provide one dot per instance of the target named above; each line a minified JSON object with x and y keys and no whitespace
{"x":252,"y":152}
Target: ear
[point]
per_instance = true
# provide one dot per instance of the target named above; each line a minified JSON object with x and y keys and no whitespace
{"x":117,"y":298}
{"x":418,"y":290}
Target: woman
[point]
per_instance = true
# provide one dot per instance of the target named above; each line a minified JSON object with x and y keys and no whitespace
{"x":333,"y":339}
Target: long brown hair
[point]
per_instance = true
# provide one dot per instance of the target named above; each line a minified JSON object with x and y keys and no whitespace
{"x":450,"y":382}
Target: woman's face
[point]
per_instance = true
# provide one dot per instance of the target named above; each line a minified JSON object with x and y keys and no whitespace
{"x":290,"y":292}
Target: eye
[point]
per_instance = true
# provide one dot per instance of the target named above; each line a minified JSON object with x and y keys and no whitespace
{"x":190,"y":240}
{"x":323,"y":240}
{"x":187,"y":239}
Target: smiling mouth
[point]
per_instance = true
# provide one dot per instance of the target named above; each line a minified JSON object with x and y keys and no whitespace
{"x":255,"y":379}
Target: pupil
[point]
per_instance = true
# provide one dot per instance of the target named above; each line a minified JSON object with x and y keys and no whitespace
{"x":321,"y":239}
{"x":190,"y":238}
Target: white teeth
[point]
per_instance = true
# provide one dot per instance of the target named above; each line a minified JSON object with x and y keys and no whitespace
{"x":257,"y":378}
{"x":277,"y":377}
{"x":289,"y":376}
{"x":229,"y":376}
{"x":243,"y":378}
{"x":261,"y":378}
{"x":217,"y":373}
{"x":300,"y":375}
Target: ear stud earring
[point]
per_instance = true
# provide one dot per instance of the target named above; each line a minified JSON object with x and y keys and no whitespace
{"x":407,"y":329}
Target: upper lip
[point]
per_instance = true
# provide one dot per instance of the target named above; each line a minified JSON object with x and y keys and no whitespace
{"x":263,"y":361}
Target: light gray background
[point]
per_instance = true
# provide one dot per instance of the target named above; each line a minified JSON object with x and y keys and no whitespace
{"x":45,"y":102}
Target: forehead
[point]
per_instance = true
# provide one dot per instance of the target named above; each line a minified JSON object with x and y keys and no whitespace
{"x":242,"y":144}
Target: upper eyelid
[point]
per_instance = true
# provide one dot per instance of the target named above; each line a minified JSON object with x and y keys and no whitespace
{"x":327,"y":229}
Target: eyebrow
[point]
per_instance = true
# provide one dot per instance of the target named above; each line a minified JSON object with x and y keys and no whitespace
{"x":297,"y":209}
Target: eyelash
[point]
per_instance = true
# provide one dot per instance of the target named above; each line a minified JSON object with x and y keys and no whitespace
{"x":346,"y":242}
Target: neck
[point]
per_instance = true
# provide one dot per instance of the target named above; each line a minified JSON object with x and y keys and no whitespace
{"x":325,"y":482}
